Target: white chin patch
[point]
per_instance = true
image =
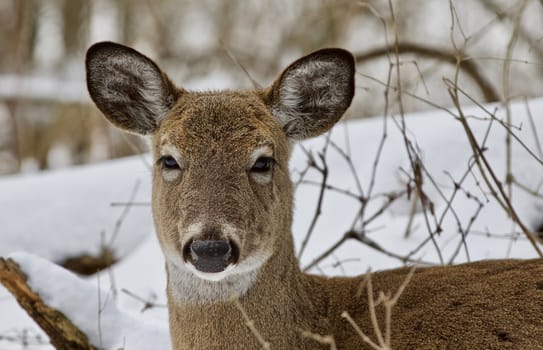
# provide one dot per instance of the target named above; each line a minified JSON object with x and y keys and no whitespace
{"x":211,"y":276}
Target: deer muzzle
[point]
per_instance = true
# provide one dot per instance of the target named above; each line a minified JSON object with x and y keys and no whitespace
{"x":211,"y":256}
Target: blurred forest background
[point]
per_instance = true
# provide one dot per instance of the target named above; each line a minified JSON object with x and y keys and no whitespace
{"x":47,"y":120}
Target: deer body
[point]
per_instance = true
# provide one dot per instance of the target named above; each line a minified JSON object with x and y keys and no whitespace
{"x":222,"y":206}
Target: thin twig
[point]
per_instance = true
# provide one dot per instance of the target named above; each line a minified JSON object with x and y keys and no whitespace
{"x":362,"y":238}
{"x":251,"y":325}
{"x":533,"y":128}
{"x":233,"y":57}
{"x":123,"y":214}
{"x":147,"y":304}
{"x":318,"y":210}
{"x":358,"y":331}
{"x":506,"y":95}
{"x":373,"y":313}
{"x":390,"y":303}
{"x":323,"y":339}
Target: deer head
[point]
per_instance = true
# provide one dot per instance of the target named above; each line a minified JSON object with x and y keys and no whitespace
{"x":222,"y":194}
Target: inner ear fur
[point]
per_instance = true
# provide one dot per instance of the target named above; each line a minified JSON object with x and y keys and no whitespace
{"x":312,"y":93}
{"x":128,"y":87}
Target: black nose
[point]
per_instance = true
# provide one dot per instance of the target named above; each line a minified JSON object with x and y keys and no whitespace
{"x":211,"y":255}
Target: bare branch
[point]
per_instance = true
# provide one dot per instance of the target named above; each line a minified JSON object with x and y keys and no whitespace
{"x":470,"y":67}
{"x":62,"y":333}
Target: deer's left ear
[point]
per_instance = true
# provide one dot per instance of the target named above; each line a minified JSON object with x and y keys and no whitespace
{"x":312,"y":93}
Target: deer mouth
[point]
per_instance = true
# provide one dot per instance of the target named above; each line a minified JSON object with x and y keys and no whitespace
{"x":211,"y":256}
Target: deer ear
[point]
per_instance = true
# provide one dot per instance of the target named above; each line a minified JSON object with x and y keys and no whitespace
{"x":129,"y":88}
{"x":312,"y":93}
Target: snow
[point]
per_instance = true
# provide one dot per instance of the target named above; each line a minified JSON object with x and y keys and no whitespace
{"x":59,"y":214}
{"x":110,"y":328}
{"x":445,"y":150}
{"x":66,"y":213}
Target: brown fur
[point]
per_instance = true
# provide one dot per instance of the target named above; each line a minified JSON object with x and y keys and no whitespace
{"x":213,"y":135}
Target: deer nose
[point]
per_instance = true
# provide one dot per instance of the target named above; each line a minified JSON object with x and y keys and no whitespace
{"x":211,"y":256}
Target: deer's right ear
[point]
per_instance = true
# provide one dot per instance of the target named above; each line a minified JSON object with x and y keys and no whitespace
{"x":129,"y":88}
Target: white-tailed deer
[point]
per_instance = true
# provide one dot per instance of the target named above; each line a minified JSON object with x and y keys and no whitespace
{"x":222,"y":205}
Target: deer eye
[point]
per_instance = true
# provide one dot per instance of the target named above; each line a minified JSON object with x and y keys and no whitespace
{"x":169,"y":162}
{"x":262,"y":165}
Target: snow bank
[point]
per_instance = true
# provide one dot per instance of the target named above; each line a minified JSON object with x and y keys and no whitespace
{"x":66,"y":213}
{"x":91,"y":309}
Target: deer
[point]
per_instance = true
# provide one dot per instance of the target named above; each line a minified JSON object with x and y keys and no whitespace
{"x":222,"y":203}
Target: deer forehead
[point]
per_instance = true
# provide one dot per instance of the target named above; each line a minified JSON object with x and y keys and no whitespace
{"x":212,"y":125}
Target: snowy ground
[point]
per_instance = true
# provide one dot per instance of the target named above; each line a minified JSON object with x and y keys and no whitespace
{"x":68,"y":212}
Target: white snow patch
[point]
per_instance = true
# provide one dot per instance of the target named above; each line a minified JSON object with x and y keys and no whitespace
{"x":66,"y":213}
{"x":90,"y":308}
